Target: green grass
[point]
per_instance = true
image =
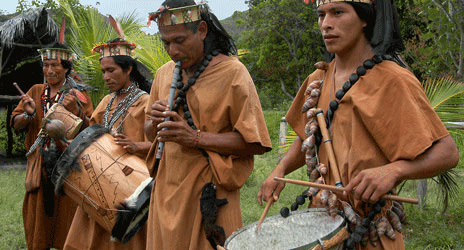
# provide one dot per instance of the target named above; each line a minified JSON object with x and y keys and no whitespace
{"x":425,"y":229}
{"x":11,"y":201}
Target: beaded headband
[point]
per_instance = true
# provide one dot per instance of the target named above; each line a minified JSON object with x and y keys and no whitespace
{"x":321,"y":2}
{"x":121,"y":48}
{"x":166,"y":16}
{"x":56,"y":54}
{"x":115,"y":49}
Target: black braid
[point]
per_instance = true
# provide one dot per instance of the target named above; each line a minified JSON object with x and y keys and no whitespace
{"x":182,"y":93}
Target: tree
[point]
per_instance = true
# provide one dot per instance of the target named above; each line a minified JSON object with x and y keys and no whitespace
{"x":283,"y":43}
{"x":433,"y":32}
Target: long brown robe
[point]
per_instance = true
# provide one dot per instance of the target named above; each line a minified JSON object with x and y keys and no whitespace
{"x":223,"y":99}
{"x":42,"y":231}
{"x":383,"y":118}
{"x":85,"y":232}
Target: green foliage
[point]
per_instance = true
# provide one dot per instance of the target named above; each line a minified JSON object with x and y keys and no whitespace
{"x":446,"y":97}
{"x":89,"y":28}
{"x":282,"y":46}
{"x":18,"y":137}
{"x":433,"y":35}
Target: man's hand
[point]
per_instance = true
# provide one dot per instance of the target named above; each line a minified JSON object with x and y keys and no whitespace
{"x":177,"y":130}
{"x":28,"y":104}
{"x":370,"y":184}
{"x":157,"y":109}
{"x":126,"y":143}
{"x":70,"y":103}
{"x":270,"y":187}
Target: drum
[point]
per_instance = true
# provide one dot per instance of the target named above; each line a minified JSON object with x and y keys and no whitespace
{"x":111,"y":185}
{"x":311,"y":228}
{"x":72,"y":123}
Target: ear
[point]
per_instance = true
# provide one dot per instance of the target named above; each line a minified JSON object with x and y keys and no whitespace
{"x":202,"y":30}
{"x":129,"y":70}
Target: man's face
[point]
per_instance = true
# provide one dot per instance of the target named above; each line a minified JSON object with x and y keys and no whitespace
{"x":113,"y":74}
{"x":341,"y":27}
{"x":183,"y":45}
{"x":54,"y":72}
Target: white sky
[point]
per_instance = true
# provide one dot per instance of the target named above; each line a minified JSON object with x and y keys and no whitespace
{"x":221,"y":8}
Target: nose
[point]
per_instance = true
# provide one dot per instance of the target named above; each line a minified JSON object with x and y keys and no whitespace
{"x":106,"y":76}
{"x":325,"y":23}
{"x":173,"y":51}
{"x":48,"y":68}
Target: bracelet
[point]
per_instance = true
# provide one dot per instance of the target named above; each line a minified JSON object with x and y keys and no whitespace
{"x":197,"y":139}
{"x":29,"y":117}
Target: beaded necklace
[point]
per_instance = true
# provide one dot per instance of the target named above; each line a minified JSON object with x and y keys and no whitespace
{"x":45,"y":99}
{"x":360,"y":71}
{"x":181,"y":99}
{"x":121,"y":108}
{"x":361,"y":229}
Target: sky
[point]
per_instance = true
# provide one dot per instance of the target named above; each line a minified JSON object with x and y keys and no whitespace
{"x":117,"y":8}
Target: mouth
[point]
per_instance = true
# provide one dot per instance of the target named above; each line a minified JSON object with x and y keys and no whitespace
{"x":329,"y":38}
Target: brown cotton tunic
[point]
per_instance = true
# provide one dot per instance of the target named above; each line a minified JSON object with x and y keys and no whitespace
{"x":223,"y":99}
{"x":383,"y":118}
{"x":42,"y":231}
{"x":85,"y":232}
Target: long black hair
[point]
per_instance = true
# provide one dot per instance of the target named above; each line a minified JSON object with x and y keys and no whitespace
{"x":142,"y":80}
{"x":217,"y":37}
{"x":382,"y":29}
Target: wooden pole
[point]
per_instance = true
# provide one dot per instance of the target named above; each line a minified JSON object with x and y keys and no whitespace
{"x":328,"y":142}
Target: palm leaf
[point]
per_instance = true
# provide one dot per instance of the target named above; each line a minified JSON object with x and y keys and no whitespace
{"x":446,"y":97}
{"x":89,"y":28}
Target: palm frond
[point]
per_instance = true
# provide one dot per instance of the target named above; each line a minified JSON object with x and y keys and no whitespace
{"x":89,"y":28}
{"x":448,"y":187}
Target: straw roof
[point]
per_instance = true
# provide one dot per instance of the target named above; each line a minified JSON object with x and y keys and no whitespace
{"x":37,"y":21}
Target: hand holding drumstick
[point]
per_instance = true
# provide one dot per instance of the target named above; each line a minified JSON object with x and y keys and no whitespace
{"x":28,"y":102}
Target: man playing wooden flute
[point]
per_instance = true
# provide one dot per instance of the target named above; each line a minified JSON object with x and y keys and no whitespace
{"x":381,"y":124}
{"x":217,"y":127}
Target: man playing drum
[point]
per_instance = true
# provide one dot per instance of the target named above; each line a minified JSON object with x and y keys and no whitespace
{"x":381,"y":124}
{"x":217,"y":127}
{"x":46,"y":216}
{"x":123,"y":113}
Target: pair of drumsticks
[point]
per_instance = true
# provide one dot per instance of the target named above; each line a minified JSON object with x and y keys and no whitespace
{"x":339,"y":186}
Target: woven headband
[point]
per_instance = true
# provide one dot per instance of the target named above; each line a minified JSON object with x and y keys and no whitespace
{"x":166,"y":16}
{"x":115,"y":49}
{"x":56,"y":54}
{"x":321,"y":2}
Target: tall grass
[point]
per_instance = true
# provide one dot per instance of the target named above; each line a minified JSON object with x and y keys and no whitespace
{"x":425,"y":229}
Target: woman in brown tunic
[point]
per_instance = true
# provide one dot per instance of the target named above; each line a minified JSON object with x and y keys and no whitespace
{"x":46,"y":216}
{"x":123,"y":112}
{"x":382,"y":126}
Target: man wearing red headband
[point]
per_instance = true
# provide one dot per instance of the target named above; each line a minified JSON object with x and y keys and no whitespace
{"x":380,"y":122}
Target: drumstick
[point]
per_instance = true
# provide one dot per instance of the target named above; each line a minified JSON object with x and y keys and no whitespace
{"x":266,"y":209}
{"x":18,"y":88}
{"x":341,"y":190}
{"x":329,"y":148}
